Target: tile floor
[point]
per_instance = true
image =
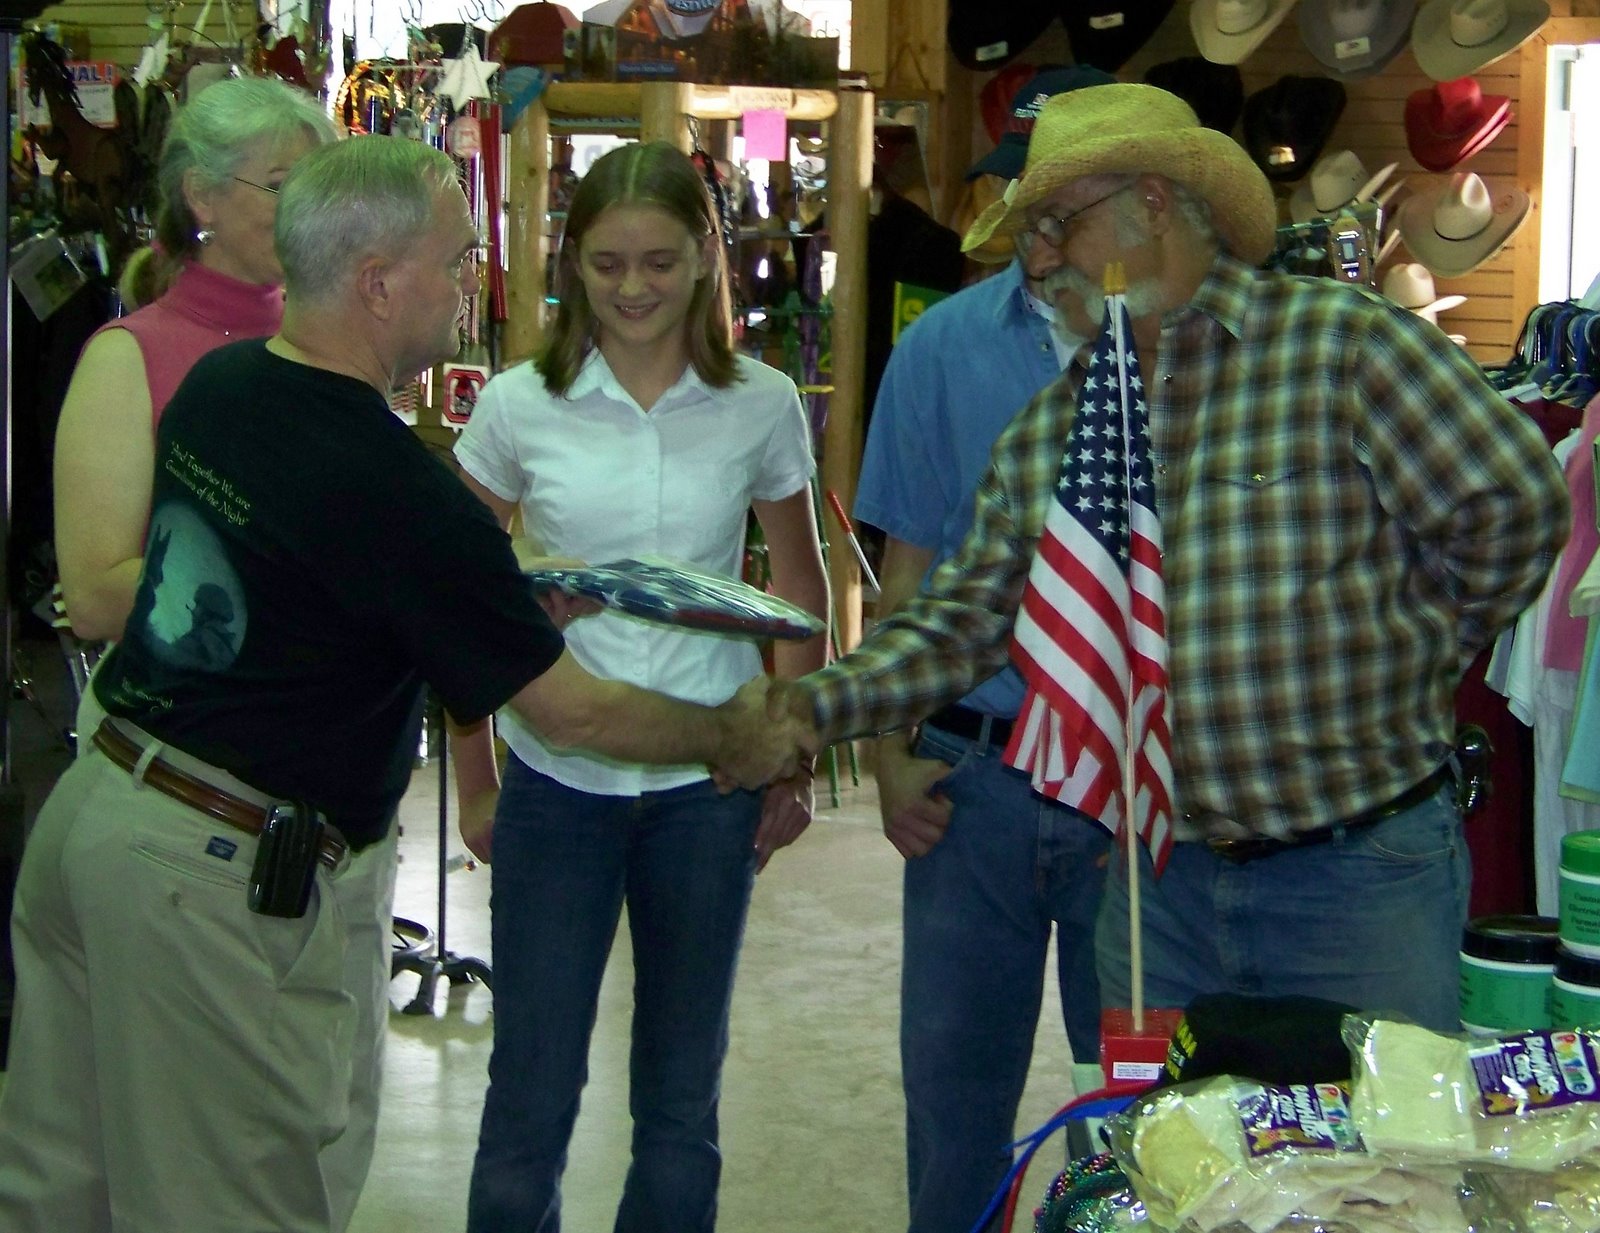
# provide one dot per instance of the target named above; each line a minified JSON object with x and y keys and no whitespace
{"x":811,"y":1110}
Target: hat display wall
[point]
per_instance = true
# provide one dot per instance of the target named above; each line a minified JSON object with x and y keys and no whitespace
{"x":1011,"y":151}
{"x":1107,"y":33}
{"x":1287,"y":123}
{"x":1136,"y":128}
{"x":1355,"y":38}
{"x":984,"y":35}
{"x":1456,"y":38}
{"x":1336,"y":180}
{"x":1410,"y":285}
{"x":1457,"y":226}
{"x":1451,"y":121}
{"x":1215,"y":91}
{"x":1227,"y":31}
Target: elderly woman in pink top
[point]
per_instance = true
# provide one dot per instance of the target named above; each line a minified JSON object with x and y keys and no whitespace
{"x":217,"y":280}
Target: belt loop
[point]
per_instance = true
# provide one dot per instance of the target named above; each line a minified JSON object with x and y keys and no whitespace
{"x":146,"y":756}
{"x":985,"y":725}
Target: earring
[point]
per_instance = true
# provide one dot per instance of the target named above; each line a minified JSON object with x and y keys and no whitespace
{"x":204,"y":236}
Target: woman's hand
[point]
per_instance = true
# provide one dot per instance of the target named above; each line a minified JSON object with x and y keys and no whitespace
{"x":786,"y":810}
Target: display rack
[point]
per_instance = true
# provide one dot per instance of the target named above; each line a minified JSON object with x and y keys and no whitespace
{"x":664,"y":111}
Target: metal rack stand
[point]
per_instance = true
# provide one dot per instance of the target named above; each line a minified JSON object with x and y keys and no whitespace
{"x":431,"y":958}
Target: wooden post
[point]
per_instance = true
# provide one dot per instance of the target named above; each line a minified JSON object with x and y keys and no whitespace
{"x":527,"y":201}
{"x":664,"y":113}
{"x":850,"y":181}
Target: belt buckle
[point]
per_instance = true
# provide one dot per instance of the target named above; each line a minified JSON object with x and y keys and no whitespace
{"x":1243,"y":851}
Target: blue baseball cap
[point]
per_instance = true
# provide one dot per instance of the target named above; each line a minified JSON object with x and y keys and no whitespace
{"x":1011,"y":152}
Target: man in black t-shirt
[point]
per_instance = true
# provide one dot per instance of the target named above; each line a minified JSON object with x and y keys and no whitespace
{"x":177,"y":1058}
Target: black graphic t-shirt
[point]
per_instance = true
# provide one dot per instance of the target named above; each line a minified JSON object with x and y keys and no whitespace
{"x":309,"y":568}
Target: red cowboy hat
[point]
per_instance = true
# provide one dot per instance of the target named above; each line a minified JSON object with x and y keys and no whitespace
{"x":1451,"y":121}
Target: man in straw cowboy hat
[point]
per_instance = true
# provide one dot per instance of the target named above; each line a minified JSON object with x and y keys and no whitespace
{"x":1349,"y":512}
{"x":972,"y":979}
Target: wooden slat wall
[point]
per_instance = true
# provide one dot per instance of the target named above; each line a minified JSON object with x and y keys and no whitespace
{"x":119,"y":29}
{"x":1372,"y":125}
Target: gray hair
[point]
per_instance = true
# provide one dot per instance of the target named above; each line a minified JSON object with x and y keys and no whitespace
{"x":1190,"y":206}
{"x":345,"y":203}
{"x":212,"y":135}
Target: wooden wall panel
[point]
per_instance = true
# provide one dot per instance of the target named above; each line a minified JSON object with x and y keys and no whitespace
{"x":119,"y":29}
{"x":1372,"y":124}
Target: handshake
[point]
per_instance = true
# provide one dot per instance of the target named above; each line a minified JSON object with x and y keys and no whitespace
{"x":766,"y":730}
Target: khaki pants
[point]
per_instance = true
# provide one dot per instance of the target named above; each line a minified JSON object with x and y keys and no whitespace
{"x":177,"y":1062}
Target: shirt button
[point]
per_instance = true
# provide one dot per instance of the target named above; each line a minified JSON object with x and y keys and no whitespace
{"x":1166,"y":379}
{"x":1258,"y":478}
{"x":1161,"y":469}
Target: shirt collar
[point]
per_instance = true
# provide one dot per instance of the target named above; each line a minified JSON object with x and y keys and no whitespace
{"x":1013,"y":301}
{"x":595,"y":376}
{"x":1223,"y":295}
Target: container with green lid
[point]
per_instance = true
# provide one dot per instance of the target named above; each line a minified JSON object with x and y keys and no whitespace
{"x":1575,"y":991}
{"x":1507,"y":963}
{"x":1580,"y":893}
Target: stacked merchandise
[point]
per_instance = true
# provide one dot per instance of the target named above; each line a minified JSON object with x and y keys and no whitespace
{"x":1433,"y":1133}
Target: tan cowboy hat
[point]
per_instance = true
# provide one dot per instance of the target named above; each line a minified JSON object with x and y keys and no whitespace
{"x":1456,"y":227}
{"x":1336,"y":180}
{"x":1456,"y":38}
{"x":1410,"y":285}
{"x":1227,"y":31}
{"x":1138,"y":129}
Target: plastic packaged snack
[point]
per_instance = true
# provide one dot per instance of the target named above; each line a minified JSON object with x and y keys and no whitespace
{"x":1564,"y":1201}
{"x":1525,"y":1100}
{"x":1229,"y":1155}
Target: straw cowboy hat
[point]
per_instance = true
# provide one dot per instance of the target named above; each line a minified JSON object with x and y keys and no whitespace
{"x":1135,"y":128}
{"x":1456,"y":227}
{"x":1451,"y":121}
{"x":1355,"y":38}
{"x":1410,"y":285}
{"x":1336,"y":180}
{"x":1227,"y":31}
{"x":1456,"y":38}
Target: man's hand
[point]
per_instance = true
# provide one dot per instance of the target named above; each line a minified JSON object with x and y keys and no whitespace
{"x":477,"y":822}
{"x":763,"y":734}
{"x":785,"y":812}
{"x":914,"y":820}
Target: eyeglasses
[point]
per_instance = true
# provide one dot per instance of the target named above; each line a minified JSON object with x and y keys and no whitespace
{"x":266,"y":188}
{"x":1052,"y":228}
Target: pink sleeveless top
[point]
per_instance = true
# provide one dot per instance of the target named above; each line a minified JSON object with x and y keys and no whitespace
{"x":200,"y":312}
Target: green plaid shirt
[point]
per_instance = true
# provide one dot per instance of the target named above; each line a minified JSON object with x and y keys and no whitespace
{"x":1349,"y":512}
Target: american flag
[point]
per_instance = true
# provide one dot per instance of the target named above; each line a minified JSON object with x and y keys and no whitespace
{"x":1090,"y":639}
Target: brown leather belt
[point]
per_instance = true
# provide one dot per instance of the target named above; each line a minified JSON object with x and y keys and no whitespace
{"x":1243,"y":851}
{"x":209,"y":799}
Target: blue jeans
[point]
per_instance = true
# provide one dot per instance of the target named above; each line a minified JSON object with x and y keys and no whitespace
{"x":564,"y":863}
{"x":978,"y":911}
{"x":1371,"y":918}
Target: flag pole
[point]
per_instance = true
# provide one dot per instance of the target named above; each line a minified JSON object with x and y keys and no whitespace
{"x":1116,"y":285}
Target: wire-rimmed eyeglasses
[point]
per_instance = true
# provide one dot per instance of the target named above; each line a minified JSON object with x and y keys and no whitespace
{"x":266,"y":188}
{"x":1052,"y":228}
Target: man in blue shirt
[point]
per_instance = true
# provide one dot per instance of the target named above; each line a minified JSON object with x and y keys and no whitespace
{"x":989,"y":864}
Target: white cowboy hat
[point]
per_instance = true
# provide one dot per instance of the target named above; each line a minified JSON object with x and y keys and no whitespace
{"x":1456,"y":38}
{"x":1227,"y":31}
{"x":1135,"y":129}
{"x":1410,"y":285}
{"x":1456,"y":227}
{"x":1336,"y":180}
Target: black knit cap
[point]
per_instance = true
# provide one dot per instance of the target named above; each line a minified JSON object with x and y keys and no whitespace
{"x":1277,"y":1040}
